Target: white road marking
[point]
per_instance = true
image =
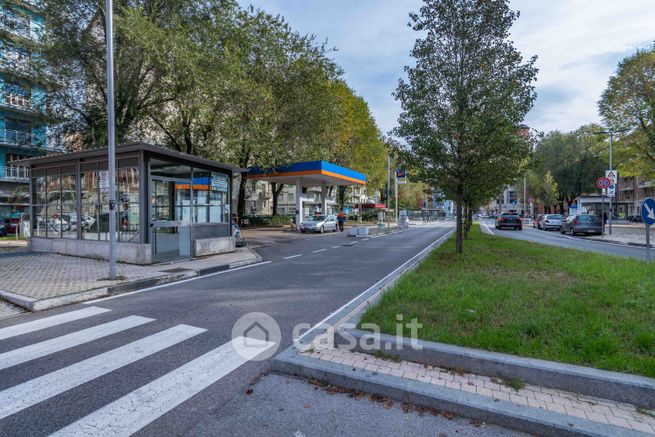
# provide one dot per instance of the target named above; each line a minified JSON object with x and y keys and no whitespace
{"x":429,"y":247}
{"x":132,"y":412}
{"x":335,"y":247}
{"x":47,"y":322}
{"x":292,"y":256}
{"x":19,"y":397}
{"x":41,"y":349}
{"x":195,"y":278}
{"x":488,"y":229}
{"x":319,"y":250}
{"x":354,"y":242}
{"x":364,"y":239}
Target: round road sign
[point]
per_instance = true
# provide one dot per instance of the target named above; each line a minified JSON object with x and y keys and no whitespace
{"x":603,"y":182}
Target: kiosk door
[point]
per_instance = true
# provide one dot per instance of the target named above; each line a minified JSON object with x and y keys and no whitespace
{"x":170,"y":219}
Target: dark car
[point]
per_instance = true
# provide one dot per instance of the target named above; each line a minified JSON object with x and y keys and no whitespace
{"x":507,"y":220}
{"x":635,"y":219}
{"x":3,"y":230}
{"x":582,"y":224}
{"x":551,"y":221}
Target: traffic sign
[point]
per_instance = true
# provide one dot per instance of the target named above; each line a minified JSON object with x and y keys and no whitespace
{"x":648,"y":215}
{"x":648,"y":211}
{"x":603,"y":183}
{"x":613,"y":176}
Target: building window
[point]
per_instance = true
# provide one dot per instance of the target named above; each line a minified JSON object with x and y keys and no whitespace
{"x":17,"y":132}
{"x":18,"y":95}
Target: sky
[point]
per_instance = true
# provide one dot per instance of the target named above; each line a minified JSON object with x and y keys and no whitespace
{"x":579,"y":44}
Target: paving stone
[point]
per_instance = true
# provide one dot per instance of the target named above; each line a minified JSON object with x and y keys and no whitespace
{"x":599,"y":410}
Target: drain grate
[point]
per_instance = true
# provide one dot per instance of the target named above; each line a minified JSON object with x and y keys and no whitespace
{"x":175,"y":270}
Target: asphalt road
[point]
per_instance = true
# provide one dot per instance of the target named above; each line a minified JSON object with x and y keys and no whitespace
{"x":554,"y":238}
{"x":162,"y":361}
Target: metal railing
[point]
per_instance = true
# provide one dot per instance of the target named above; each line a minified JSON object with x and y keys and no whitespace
{"x":14,"y":172}
{"x":16,"y":138}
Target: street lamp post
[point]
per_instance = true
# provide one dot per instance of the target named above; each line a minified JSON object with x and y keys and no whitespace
{"x":611,"y":133}
{"x":111,"y":138}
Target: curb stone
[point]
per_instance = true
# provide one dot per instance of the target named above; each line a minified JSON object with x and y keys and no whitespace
{"x":33,"y":305}
{"x":499,"y":412}
{"x":620,"y":387}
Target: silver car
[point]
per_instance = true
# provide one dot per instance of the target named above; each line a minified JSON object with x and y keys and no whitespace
{"x":551,"y":221}
{"x":319,"y":223}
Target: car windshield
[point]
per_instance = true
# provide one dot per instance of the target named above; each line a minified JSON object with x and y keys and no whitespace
{"x":556,"y":216}
{"x":316,"y":218}
{"x":588,"y":218}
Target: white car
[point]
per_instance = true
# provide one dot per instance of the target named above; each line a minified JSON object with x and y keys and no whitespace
{"x":319,"y":223}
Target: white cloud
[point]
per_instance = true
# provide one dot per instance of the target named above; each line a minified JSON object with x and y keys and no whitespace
{"x":578,"y":42}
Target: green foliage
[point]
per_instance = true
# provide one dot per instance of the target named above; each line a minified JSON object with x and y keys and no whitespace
{"x":629,"y":102}
{"x":531,"y":300}
{"x":569,"y":163}
{"x":464,"y":100}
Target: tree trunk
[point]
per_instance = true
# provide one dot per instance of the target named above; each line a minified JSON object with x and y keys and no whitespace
{"x":469,"y":220}
{"x":341,"y":196}
{"x":467,"y":207}
{"x":458,"y":210}
{"x":241,"y":201}
{"x":276,"y":189}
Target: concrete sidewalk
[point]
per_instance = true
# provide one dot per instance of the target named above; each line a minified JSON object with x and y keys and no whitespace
{"x":634,"y":235}
{"x":37,"y":281}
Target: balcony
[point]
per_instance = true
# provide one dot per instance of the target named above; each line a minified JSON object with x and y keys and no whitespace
{"x":17,"y":138}
{"x":14,"y":173}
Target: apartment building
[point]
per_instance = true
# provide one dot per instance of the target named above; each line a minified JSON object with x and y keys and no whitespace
{"x":23,"y":132}
{"x":259,"y":199}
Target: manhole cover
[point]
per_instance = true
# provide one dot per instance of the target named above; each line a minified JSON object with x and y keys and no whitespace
{"x":175,"y":270}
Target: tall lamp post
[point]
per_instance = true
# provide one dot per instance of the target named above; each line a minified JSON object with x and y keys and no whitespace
{"x":611,"y":133}
{"x":111,"y":137}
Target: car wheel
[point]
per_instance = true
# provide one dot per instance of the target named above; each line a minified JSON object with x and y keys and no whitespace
{"x":322,"y":230}
{"x":520,"y":228}
{"x":571,"y":232}
{"x":335,"y":229}
{"x":561,"y":231}
{"x":303,"y":231}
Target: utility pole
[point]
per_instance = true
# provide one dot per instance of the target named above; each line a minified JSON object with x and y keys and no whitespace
{"x":111,"y":137}
{"x":388,"y":186}
{"x":525,"y":193}
{"x":611,"y":133}
{"x":395,"y":177}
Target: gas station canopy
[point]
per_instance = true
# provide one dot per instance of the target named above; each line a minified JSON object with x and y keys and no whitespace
{"x":312,"y":173}
{"x":309,"y":174}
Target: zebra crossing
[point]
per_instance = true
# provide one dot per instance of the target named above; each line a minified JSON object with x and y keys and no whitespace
{"x":130,"y":413}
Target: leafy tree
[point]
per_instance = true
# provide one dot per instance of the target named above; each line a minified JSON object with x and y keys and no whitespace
{"x":574,"y":159}
{"x":73,"y":61}
{"x":464,"y":99}
{"x":629,"y":102}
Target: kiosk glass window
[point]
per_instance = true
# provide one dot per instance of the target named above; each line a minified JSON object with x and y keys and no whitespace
{"x":89,"y":221}
{"x":128,"y":204}
{"x":54,"y":222}
{"x":39,"y":210}
{"x":210,"y":197}
{"x":69,"y":219}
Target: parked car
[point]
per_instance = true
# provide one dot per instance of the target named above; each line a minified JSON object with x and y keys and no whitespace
{"x":319,"y":223}
{"x":635,"y":219}
{"x":535,"y":222}
{"x":507,"y":220}
{"x":551,"y":221}
{"x":3,"y":230}
{"x":582,"y":224}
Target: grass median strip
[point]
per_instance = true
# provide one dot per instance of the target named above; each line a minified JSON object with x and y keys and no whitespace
{"x":530,"y":300}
